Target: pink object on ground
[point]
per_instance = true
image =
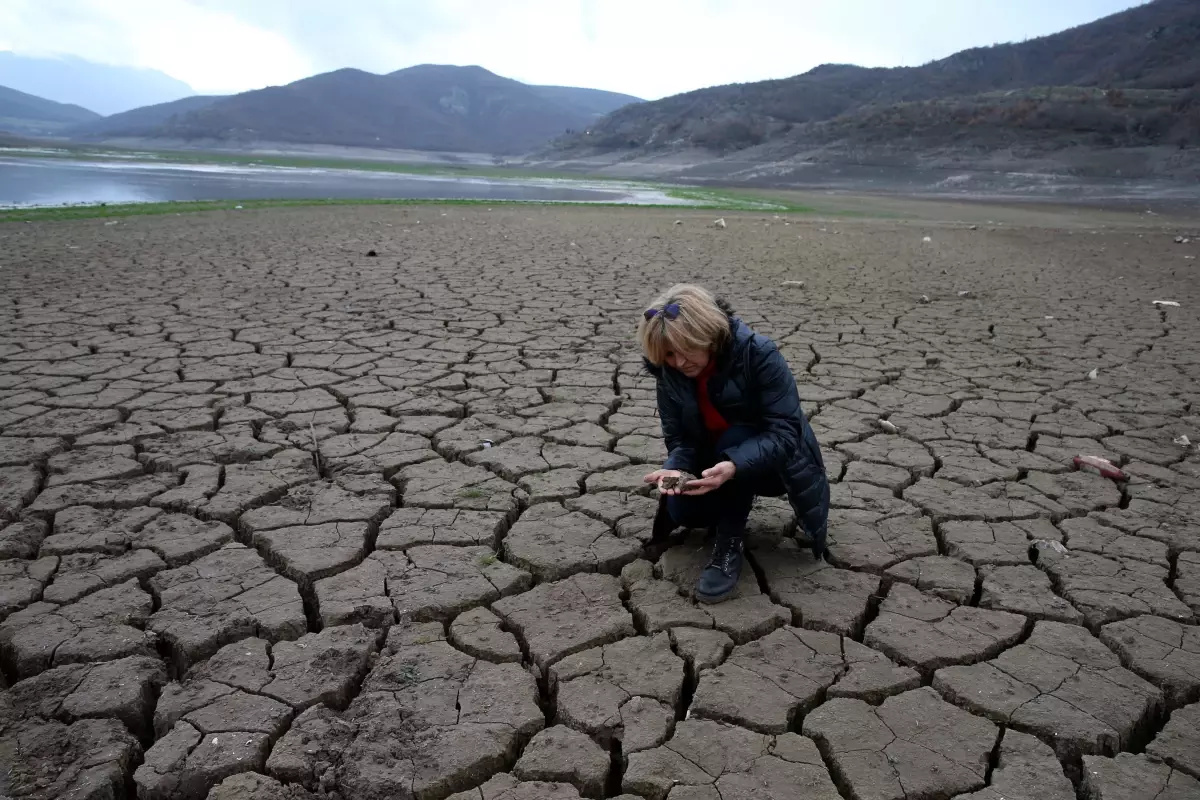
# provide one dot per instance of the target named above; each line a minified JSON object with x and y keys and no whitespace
{"x":1101,"y":466}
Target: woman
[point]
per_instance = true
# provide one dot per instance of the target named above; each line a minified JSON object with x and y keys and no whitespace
{"x":731,"y":415}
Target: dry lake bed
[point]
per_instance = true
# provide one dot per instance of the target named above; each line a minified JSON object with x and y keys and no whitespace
{"x":346,"y":503}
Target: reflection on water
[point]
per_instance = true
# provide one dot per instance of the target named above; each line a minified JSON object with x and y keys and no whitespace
{"x":48,"y":182}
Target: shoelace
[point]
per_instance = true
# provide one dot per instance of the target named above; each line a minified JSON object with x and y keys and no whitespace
{"x":722,"y":557}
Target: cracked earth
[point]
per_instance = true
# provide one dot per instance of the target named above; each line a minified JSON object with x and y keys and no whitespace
{"x":279,"y":519}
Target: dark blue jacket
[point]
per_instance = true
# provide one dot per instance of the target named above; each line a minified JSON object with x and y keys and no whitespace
{"x":751,"y":385}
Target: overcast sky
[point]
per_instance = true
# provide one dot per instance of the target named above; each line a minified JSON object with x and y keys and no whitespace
{"x":648,"y":48}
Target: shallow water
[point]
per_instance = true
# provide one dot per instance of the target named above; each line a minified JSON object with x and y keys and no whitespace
{"x":26,"y":181}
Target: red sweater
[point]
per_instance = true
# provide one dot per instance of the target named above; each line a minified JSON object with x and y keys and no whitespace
{"x":713,"y":421}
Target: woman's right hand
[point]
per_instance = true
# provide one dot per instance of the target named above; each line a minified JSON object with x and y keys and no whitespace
{"x":657,"y":476}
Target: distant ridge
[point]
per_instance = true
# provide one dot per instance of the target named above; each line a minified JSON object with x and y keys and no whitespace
{"x":426,"y":107}
{"x":102,"y":88}
{"x":36,"y":116}
{"x":1129,"y":79}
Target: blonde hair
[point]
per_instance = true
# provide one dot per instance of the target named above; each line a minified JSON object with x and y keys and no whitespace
{"x":700,"y":325}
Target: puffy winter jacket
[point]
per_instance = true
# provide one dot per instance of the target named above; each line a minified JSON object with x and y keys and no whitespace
{"x":752,"y":385}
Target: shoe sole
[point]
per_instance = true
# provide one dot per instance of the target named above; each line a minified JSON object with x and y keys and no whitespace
{"x":714,"y":598}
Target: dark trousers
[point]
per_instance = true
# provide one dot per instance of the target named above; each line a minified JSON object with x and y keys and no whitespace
{"x":728,"y":507}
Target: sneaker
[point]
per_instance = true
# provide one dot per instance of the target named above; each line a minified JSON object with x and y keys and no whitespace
{"x":720,"y":577}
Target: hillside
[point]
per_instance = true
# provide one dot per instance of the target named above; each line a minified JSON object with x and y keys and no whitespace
{"x":984,"y":97}
{"x":28,"y":114}
{"x":10,"y":140}
{"x":590,"y":102}
{"x":130,"y":123}
{"x":102,"y":88}
{"x":427,"y":107}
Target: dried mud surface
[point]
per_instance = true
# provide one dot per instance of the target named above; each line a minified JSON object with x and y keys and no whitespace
{"x":284,"y":518}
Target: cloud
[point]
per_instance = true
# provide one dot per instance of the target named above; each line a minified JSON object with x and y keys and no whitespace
{"x":210,"y":49}
{"x":649,"y":48}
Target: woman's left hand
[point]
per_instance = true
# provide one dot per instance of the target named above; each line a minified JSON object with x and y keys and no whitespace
{"x":712,"y":478}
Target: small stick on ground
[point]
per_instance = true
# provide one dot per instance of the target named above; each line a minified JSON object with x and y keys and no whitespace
{"x":316,"y":449}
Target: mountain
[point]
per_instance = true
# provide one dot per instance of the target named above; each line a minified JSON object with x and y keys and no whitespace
{"x":427,"y":107}
{"x":1127,"y":79}
{"x":102,"y":88}
{"x":592,"y":102}
{"x":28,"y":114}
{"x":130,"y":123}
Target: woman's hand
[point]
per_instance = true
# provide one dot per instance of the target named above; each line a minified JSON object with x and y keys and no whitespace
{"x":712,"y":478}
{"x":657,"y":476}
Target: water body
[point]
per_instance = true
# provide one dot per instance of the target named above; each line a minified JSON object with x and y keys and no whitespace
{"x":27,"y":182}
